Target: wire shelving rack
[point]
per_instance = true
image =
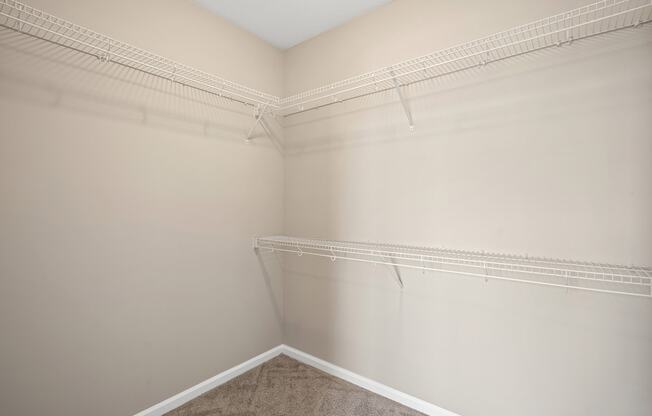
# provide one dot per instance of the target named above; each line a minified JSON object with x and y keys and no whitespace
{"x":26,"y":19}
{"x":595,"y":277}
{"x":594,"y":19}
{"x":597,"y":18}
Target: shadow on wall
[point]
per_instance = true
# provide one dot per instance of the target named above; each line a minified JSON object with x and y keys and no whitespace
{"x":39,"y":72}
{"x":271,"y":267}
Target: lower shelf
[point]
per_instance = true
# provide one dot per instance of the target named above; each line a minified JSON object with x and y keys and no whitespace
{"x":596,"y":277}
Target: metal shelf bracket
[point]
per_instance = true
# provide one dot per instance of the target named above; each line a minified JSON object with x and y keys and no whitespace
{"x":258,"y":115}
{"x":404,"y":103}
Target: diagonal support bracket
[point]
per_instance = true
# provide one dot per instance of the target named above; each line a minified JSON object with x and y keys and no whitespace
{"x":258,"y":118}
{"x":408,"y":114}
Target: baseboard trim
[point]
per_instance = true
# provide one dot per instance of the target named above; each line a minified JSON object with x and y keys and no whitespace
{"x":371,"y":385}
{"x":177,"y":400}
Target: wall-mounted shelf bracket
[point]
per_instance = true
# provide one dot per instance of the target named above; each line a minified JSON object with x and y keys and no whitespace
{"x":258,"y":116}
{"x":259,"y":119}
{"x":401,"y":96}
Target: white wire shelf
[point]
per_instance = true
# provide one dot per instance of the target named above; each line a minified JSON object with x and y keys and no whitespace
{"x":597,"y":18}
{"x":596,"y":277}
{"x":23,"y":18}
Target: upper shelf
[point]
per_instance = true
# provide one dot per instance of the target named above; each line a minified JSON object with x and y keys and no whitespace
{"x":603,"y":16}
{"x":26,"y":19}
{"x":596,"y":277}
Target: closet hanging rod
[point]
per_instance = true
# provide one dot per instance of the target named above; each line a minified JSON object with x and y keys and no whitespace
{"x":26,"y":19}
{"x":591,"y":20}
{"x":595,"y":277}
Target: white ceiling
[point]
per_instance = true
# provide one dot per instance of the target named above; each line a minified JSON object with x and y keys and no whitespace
{"x":285,"y":23}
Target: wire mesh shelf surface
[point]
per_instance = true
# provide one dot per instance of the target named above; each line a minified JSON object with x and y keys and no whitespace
{"x":31,"y":21}
{"x":597,"y":277}
{"x":601,"y":17}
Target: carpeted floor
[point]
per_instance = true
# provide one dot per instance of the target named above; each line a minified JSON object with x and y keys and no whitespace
{"x":285,"y":387}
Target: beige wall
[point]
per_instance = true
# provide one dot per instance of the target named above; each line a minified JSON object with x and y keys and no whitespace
{"x":127,"y":207}
{"x":545,"y":155}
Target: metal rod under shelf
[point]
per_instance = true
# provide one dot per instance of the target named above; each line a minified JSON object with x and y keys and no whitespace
{"x":595,"y":277}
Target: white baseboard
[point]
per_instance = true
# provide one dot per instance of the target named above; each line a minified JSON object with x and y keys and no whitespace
{"x":177,"y":400}
{"x":373,"y":386}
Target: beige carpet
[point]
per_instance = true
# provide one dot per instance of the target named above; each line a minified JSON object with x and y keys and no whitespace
{"x":285,"y":387}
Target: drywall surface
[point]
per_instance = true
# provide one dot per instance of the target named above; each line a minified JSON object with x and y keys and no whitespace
{"x":127,"y":207}
{"x":545,"y":155}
